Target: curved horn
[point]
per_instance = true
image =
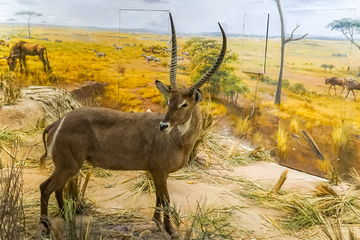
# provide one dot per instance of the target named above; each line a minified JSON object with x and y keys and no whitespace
{"x":173,"y":56}
{"x":212,"y":70}
{"x":13,"y":54}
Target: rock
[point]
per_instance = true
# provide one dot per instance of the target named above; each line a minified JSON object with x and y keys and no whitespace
{"x":295,"y":136}
{"x":298,"y":142}
{"x":55,"y":102}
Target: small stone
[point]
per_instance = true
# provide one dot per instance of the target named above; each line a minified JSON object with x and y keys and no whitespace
{"x":295,"y":136}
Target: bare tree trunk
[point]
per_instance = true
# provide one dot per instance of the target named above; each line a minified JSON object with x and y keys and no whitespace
{"x":278,"y":90}
{"x":29,"y":26}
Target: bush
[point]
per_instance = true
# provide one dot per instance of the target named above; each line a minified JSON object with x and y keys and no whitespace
{"x":298,"y":88}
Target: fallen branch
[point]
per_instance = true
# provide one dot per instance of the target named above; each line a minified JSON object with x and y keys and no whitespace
{"x":313,"y":145}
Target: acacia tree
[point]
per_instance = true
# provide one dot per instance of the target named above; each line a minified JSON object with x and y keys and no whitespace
{"x":27,"y":15}
{"x":11,"y":20}
{"x":283,"y":42}
{"x":347,"y":27}
{"x":204,"y":53}
{"x":324,"y":66}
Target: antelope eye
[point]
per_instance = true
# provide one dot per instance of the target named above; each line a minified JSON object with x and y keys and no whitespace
{"x":184,"y":105}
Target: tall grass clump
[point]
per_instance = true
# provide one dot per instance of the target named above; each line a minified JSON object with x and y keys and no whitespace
{"x":242,"y":126}
{"x":10,"y":89}
{"x":343,"y":149}
{"x":75,"y":190}
{"x":282,"y":143}
{"x":209,"y":222}
{"x":207,"y":129}
{"x":12,"y":217}
{"x":295,"y":125}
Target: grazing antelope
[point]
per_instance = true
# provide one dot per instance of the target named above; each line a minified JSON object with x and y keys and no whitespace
{"x":333,"y":81}
{"x":117,"y":47}
{"x":154,"y":142}
{"x":157,"y":60}
{"x":351,"y":86}
{"x":99,"y":54}
{"x":21,"y":49}
{"x":181,"y":58}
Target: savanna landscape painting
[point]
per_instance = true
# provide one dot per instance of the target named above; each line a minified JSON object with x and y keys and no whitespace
{"x":167,"y":119}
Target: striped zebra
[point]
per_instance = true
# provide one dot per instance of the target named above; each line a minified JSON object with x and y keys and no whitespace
{"x":157,"y":60}
{"x":117,"y":47}
{"x":148,"y":58}
{"x":99,"y":54}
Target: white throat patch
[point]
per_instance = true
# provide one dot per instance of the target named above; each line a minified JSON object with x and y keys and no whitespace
{"x":185,"y":127}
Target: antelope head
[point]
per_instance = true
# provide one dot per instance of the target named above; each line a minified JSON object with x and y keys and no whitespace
{"x":326,"y":81}
{"x":182,"y":102}
{"x":14,"y":55}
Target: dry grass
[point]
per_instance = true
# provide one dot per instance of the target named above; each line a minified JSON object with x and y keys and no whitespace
{"x":12,"y":216}
{"x":282,"y":143}
{"x":280,"y":182}
{"x":295,"y":125}
{"x":242,"y":126}
{"x":10,"y":89}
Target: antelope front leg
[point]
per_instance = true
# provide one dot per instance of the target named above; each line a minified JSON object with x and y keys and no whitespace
{"x":329,"y":89}
{"x":163,"y":200}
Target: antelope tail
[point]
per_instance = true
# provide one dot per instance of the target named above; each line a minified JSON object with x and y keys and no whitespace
{"x":42,"y":159}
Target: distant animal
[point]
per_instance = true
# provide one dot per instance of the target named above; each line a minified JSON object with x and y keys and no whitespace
{"x":21,"y":49}
{"x":99,"y":54}
{"x":110,"y":139}
{"x":157,"y":60}
{"x":117,"y":47}
{"x":185,"y":53}
{"x":189,"y":58}
{"x":351,"y":86}
{"x":167,"y":50}
{"x":58,"y":40}
{"x":4,"y":43}
{"x":147,"y":50}
{"x":45,"y":39}
{"x":7,"y":38}
{"x":148,"y":58}
{"x":181,"y":58}
{"x":333,"y":81}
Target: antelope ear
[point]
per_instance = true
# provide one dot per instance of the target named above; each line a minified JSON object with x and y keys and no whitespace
{"x":197,"y":94}
{"x":5,"y":57}
{"x":164,"y":89}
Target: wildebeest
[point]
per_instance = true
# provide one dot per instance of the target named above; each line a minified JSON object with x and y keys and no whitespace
{"x":117,"y":47}
{"x":4,"y":43}
{"x":352,"y":85}
{"x":99,"y":54}
{"x":21,"y":49}
{"x":333,"y":81}
{"x":153,"y":142}
{"x":58,"y":40}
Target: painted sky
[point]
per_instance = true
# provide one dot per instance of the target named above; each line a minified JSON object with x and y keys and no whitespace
{"x":190,"y":16}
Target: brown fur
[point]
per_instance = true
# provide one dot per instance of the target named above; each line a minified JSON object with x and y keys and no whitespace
{"x":352,"y":85}
{"x":333,"y":81}
{"x":154,"y":142}
{"x":3,"y":43}
{"x":22,"y":49}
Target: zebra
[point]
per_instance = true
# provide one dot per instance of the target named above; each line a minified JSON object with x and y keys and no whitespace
{"x":157,"y":60}
{"x":117,"y":47}
{"x":99,"y":54}
{"x":148,"y":58}
{"x":7,"y":38}
{"x":180,"y":58}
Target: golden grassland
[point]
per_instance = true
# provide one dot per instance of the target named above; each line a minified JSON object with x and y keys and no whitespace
{"x":131,"y":79}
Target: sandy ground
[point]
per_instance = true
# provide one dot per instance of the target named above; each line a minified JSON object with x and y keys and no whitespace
{"x":187,"y":193}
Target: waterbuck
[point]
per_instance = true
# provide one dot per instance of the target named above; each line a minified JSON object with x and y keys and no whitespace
{"x":333,"y":81}
{"x":21,"y":49}
{"x":154,"y":142}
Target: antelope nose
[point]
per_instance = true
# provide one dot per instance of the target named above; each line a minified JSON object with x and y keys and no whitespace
{"x":163,"y":126}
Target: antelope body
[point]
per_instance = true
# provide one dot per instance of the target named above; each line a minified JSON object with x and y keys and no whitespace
{"x":99,"y":54}
{"x":157,"y":60}
{"x":158,"y":143}
{"x":333,"y":81}
{"x":22,"y":49}
{"x":148,"y":58}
